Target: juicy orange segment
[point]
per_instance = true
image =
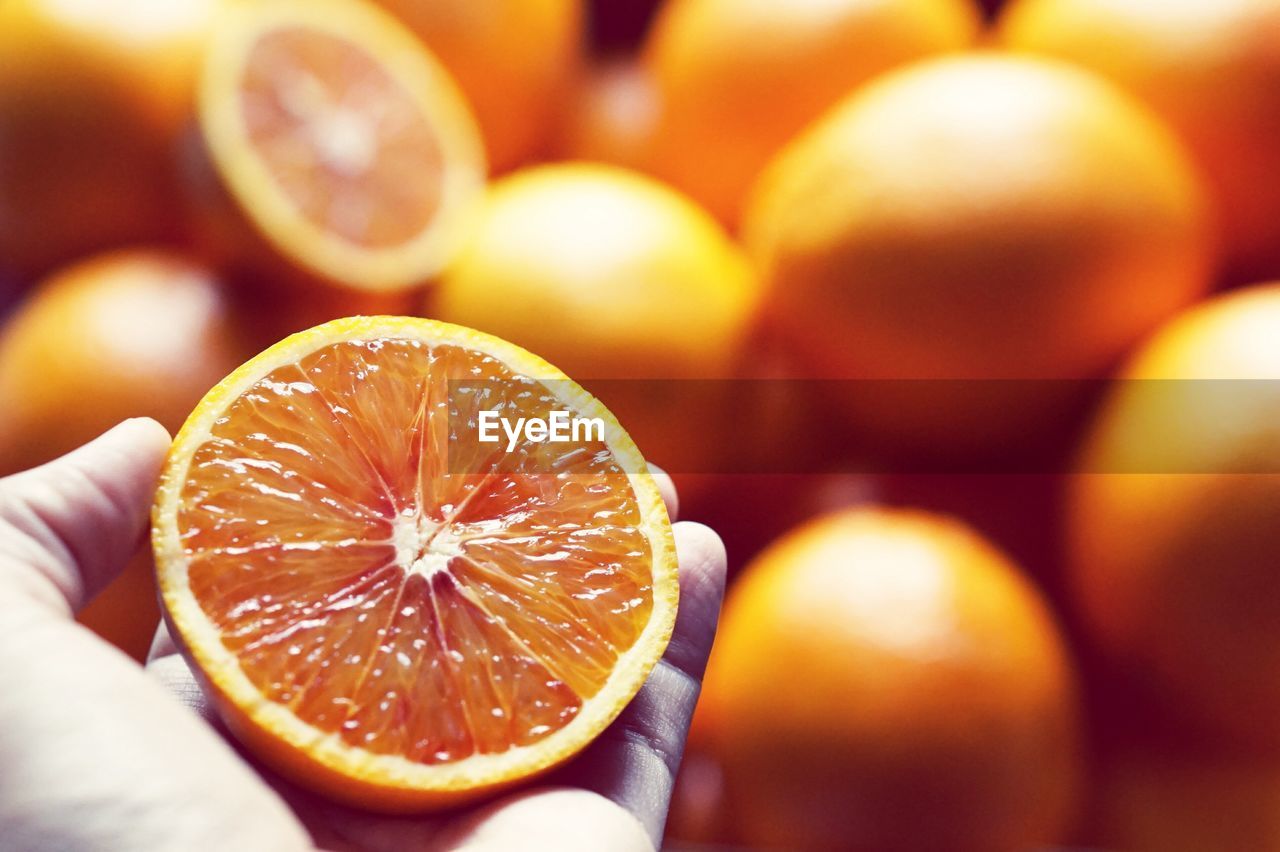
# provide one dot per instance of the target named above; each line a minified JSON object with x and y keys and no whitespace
{"x":369,"y":590}
{"x":341,"y":139}
{"x":362,"y":162}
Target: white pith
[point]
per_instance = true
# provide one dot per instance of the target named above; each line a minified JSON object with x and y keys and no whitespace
{"x":423,"y":546}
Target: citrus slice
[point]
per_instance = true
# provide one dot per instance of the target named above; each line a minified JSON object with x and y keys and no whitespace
{"x":387,"y":610}
{"x":341,"y":139}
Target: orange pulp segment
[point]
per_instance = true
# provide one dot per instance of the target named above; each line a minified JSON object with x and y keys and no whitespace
{"x":419,"y":616}
{"x":342,"y":139}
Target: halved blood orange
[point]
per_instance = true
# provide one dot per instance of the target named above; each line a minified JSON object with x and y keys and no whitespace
{"x":340,"y":139}
{"x":384,"y":608}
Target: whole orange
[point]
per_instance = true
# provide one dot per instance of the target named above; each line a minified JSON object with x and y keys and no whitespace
{"x":697,"y":808}
{"x":1172,"y":520}
{"x":619,"y":25}
{"x":93,"y":96}
{"x":127,"y":334}
{"x":886,"y":679}
{"x":514,"y":60}
{"x":623,"y":283}
{"x":738,"y":78}
{"x":976,"y":218}
{"x":610,"y":116}
{"x":1170,"y":802}
{"x":1212,"y":70}
{"x":139,"y":332}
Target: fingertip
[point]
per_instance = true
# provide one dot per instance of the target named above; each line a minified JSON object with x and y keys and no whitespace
{"x":667,"y":488}
{"x":80,"y":517}
{"x":546,"y":818}
{"x":136,"y":448}
{"x":702,"y":560}
{"x":124,"y":461}
{"x":700,"y":550}
{"x":145,"y":433}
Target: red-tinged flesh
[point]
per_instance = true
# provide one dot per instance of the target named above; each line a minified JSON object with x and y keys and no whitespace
{"x":413,"y":603}
{"x":348,"y":146}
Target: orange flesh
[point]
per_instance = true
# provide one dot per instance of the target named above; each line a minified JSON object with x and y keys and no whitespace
{"x":382,"y":595}
{"x":348,"y":146}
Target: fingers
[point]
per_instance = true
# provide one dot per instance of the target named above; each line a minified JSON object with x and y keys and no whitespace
{"x":169,"y":668}
{"x":702,"y":570}
{"x":77,"y":717}
{"x":68,"y":527}
{"x":162,"y":644}
{"x":547,"y":820}
{"x":666,"y":487}
{"x":96,"y":755}
{"x":635,"y":761}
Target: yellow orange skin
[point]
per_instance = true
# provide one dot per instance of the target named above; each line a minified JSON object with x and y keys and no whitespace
{"x":1212,"y":70}
{"x":648,"y":283}
{"x":93,"y":98}
{"x":977,"y":217}
{"x":1172,"y":527}
{"x":513,"y":59}
{"x":610,"y":275}
{"x":885,"y":679}
{"x":126,"y":334}
{"x":736,"y":79}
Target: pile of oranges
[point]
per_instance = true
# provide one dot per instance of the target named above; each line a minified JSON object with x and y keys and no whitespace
{"x":1032,"y":237}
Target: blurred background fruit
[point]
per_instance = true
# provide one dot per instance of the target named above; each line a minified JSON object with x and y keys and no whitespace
{"x":610,"y":116}
{"x":127,"y":612}
{"x":947,"y":254}
{"x":750,"y":510}
{"x":976,"y":218}
{"x":9,"y":292}
{"x":1019,"y":511}
{"x":737,"y":78}
{"x":611,"y":275}
{"x":93,"y":97}
{"x":1163,"y":801}
{"x":335,"y":159}
{"x":618,"y":26}
{"x":1172,"y":521}
{"x":697,"y":814}
{"x":140,"y":332}
{"x":1211,"y":69}
{"x":133,"y":333}
{"x":886,"y":679}
{"x":514,"y":60}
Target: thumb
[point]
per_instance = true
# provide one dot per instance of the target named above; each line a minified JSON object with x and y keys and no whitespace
{"x":68,"y":527}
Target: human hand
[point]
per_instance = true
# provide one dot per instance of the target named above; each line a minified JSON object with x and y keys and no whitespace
{"x":98,"y":753}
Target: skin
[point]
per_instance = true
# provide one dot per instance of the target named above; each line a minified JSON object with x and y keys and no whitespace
{"x":99,"y":752}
